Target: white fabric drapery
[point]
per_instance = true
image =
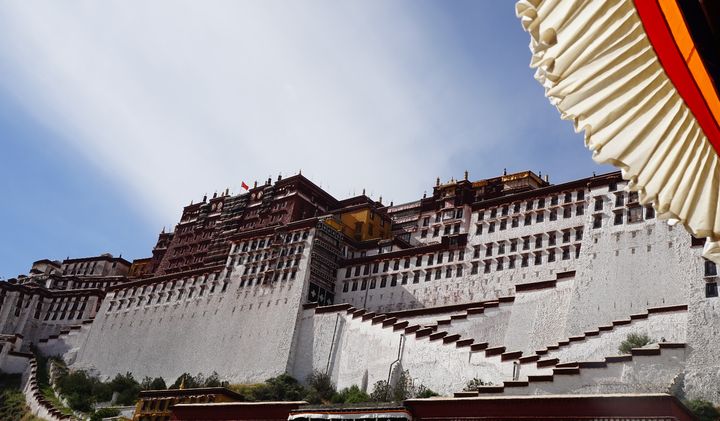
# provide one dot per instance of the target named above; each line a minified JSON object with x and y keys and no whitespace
{"x":599,"y":69}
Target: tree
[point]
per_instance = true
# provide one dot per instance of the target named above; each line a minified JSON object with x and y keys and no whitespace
{"x":321,"y":387}
{"x":126,"y":387}
{"x":213,"y":380}
{"x":190,"y":381}
{"x":196,"y":381}
{"x":634,"y":340}
{"x":148,"y":383}
{"x":381,"y":391}
{"x":82,"y":390}
{"x":403,"y":387}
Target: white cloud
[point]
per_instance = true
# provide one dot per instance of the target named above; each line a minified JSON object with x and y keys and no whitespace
{"x":174,"y":99}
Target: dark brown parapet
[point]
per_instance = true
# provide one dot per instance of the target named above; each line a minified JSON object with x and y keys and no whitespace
{"x":533,"y":286}
{"x":469,"y":405}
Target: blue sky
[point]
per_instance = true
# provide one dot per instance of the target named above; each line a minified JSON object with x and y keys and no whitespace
{"x":114,"y":116}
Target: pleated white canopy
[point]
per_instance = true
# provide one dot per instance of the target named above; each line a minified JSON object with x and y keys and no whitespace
{"x":600,"y":69}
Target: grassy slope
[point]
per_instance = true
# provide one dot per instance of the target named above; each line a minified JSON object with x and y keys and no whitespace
{"x":12,"y":400}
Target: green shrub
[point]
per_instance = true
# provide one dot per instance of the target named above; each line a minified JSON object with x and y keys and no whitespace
{"x":312,"y":396}
{"x":82,"y":390}
{"x":424,"y":393}
{"x":634,"y":340}
{"x":703,"y":410}
{"x":283,"y":388}
{"x":351,"y":394}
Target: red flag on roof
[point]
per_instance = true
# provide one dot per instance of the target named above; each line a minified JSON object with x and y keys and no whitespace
{"x":245,"y":186}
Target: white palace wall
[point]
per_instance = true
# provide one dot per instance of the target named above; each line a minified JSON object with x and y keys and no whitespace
{"x":629,"y":269}
{"x":703,"y":338}
{"x":491,"y":234}
{"x":40,"y":316}
{"x":316,"y":342}
{"x":363,"y":353}
{"x":538,"y":317}
{"x":456,"y":289}
{"x":670,"y":326}
{"x":490,"y":326}
{"x":246,"y":334}
{"x":358,"y":352}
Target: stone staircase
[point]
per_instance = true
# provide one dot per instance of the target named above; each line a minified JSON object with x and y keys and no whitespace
{"x":38,"y":404}
{"x":543,"y":359}
{"x":557,"y":353}
{"x":643,"y":370}
{"x":430,"y":340}
{"x":541,"y":366}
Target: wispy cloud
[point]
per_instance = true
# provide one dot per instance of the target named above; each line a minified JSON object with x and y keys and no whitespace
{"x":174,"y":99}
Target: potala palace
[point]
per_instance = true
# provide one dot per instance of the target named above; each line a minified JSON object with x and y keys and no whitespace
{"x":527,"y":285}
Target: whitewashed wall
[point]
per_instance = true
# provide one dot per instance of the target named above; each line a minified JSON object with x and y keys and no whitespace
{"x":629,"y":269}
{"x":246,"y":334}
{"x":66,"y":345}
{"x":454,"y":290}
{"x":357,"y":352}
{"x":365,"y":353}
{"x":316,"y":346}
{"x":481,"y":286}
{"x":491,"y":326}
{"x":670,"y":326}
{"x":538,"y":317}
{"x":32,"y":329}
{"x":703,"y":337}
